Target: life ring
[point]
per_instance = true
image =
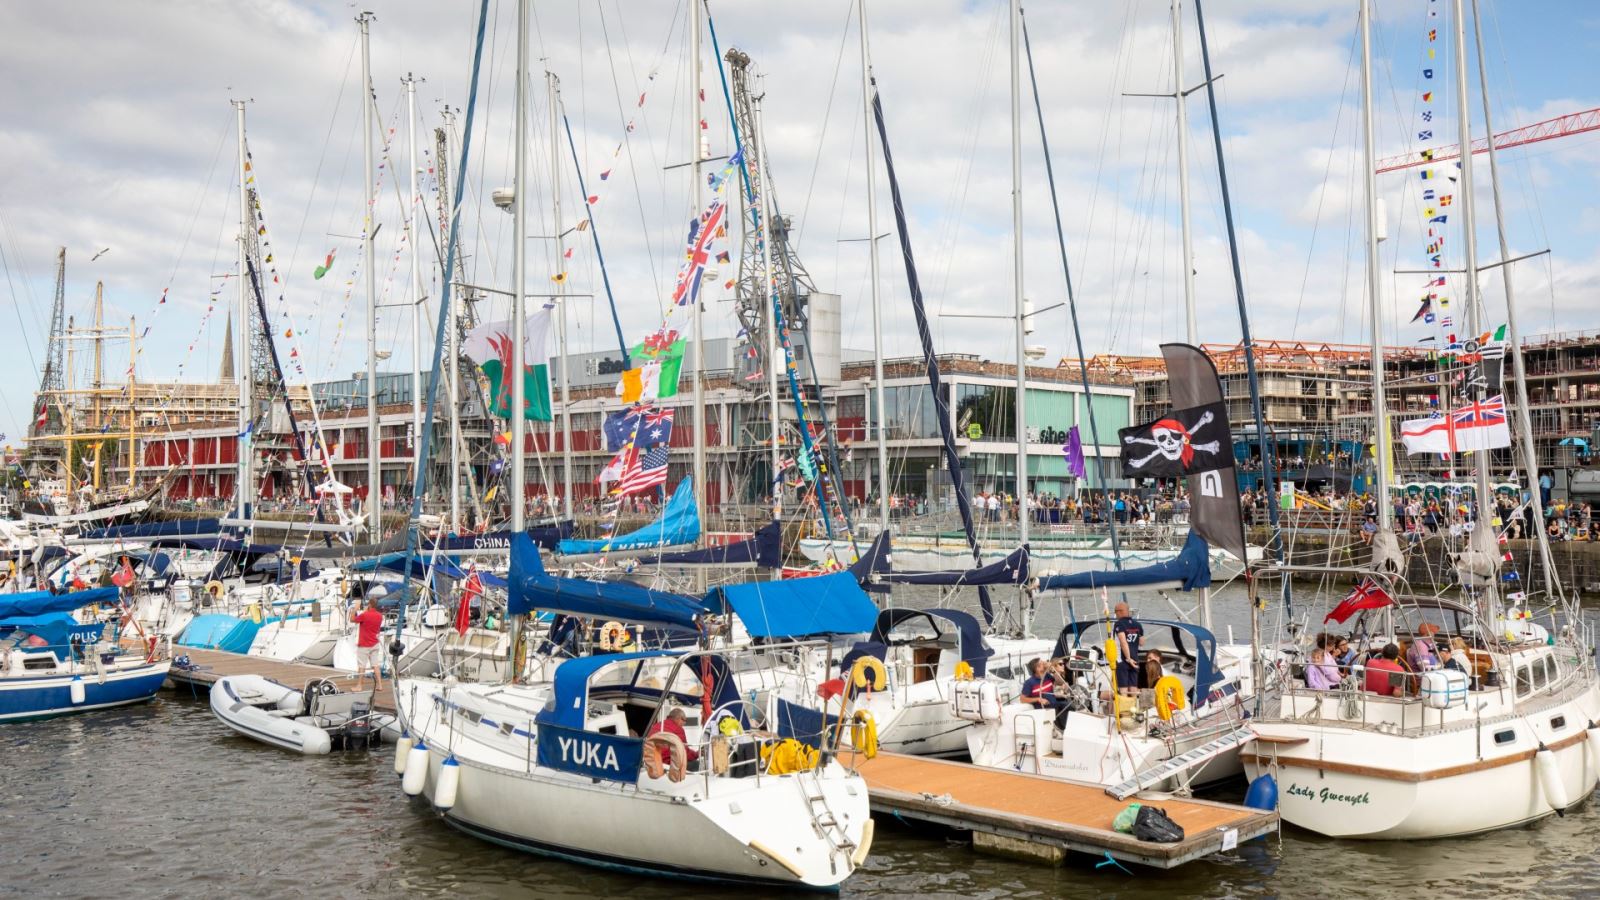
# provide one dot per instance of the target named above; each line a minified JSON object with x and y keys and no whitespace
{"x":864,"y":733}
{"x":652,"y":756}
{"x":613,"y":636}
{"x":868,"y":673}
{"x":1169,"y":696}
{"x":215,"y":589}
{"x":963,"y":670}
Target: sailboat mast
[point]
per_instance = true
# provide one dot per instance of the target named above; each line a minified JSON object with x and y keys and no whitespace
{"x":522,"y":193}
{"x":1181,"y":100}
{"x":412,"y":233}
{"x":1513,"y":336}
{"x":1369,"y":180}
{"x":771,"y":318}
{"x":453,"y":334}
{"x":695,"y":138}
{"x":241,"y":487}
{"x":561,"y":290}
{"x":374,"y":501}
{"x":880,"y":421}
{"x":1016,"y":272}
{"x":1482,"y":538}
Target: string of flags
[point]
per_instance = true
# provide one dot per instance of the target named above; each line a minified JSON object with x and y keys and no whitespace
{"x":1434,"y":302}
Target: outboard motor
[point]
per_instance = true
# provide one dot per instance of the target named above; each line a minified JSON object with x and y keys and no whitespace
{"x":358,"y":732}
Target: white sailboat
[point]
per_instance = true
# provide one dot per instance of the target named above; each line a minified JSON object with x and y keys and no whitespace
{"x":1440,"y":753}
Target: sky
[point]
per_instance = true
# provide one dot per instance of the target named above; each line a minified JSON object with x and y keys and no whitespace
{"x":118,"y":138}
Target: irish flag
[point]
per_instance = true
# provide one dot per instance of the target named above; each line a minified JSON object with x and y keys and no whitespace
{"x":654,"y":376}
{"x":490,"y":347}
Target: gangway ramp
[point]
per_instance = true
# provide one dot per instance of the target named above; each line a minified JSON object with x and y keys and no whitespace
{"x":1019,"y":813}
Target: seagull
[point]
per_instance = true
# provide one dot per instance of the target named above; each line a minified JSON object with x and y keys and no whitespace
{"x":100,"y":254}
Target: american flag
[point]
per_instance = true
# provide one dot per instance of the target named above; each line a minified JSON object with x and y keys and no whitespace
{"x":644,"y":472}
{"x":1481,"y":414}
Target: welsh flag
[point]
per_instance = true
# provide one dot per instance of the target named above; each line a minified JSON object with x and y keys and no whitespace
{"x":656,"y":366}
{"x":490,"y":347}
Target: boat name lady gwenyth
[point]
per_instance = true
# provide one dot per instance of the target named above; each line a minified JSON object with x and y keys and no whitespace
{"x":1325,"y":795}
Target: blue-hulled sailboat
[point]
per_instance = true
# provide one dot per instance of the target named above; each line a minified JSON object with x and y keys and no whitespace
{"x":51,"y":664}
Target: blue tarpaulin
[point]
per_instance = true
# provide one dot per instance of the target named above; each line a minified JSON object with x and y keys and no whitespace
{"x":678,"y":524}
{"x":531,"y":588}
{"x":396,"y":562}
{"x":799,"y":607}
{"x":57,"y":630}
{"x":39,"y":603}
{"x":1191,"y":568}
{"x":1011,"y":570}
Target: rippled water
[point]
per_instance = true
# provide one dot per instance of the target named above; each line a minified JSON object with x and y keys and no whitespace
{"x":163,"y":801}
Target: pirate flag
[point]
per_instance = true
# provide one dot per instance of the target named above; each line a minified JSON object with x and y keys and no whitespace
{"x":1194,"y":442}
{"x":1182,"y":443}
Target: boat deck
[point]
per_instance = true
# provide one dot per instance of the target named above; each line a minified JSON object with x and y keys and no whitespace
{"x":1047,"y":812}
{"x":209,"y":666}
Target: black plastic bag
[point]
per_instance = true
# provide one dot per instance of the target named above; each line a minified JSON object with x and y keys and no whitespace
{"x":1153,"y":824}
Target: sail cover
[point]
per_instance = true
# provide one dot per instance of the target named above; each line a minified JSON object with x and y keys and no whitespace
{"x":546,"y":536}
{"x":1189,"y":570}
{"x":799,"y":607}
{"x":872,"y":563}
{"x":39,"y":603}
{"x":764,"y":549}
{"x":531,"y":588}
{"x":1011,"y":570}
{"x":153,"y":530}
{"x":678,"y":524}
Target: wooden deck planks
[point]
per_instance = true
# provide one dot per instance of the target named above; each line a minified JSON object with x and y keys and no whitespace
{"x":1075,"y":816}
{"x":212,"y":665}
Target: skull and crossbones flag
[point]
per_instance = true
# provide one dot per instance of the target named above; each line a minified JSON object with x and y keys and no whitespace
{"x":1180,"y":443}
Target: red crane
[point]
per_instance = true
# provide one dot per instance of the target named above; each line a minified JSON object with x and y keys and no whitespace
{"x":1561,"y":126}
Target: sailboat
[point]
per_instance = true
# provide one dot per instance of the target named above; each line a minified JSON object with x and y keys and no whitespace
{"x":1392,"y":755}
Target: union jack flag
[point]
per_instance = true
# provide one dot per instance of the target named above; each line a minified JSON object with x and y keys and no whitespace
{"x":1481,"y":414}
{"x":702,"y":231}
{"x":644,"y":472}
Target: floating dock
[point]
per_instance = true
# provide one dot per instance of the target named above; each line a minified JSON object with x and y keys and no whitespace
{"x":1030,"y":816}
{"x":209,"y":666}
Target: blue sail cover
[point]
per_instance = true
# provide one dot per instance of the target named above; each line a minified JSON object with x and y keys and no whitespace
{"x":531,"y":588}
{"x":39,"y":603}
{"x":764,"y":549}
{"x":678,"y":524}
{"x":1191,"y":568}
{"x":1011,"y":570}
{"x":799,"y":607}
{"x":145,"y":530}
{"x":873,"y":562}
{"x":418,"y":569}
{"x":547,"y":536}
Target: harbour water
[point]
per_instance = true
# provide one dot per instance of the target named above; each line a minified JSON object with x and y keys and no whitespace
{"x":163,"y":801}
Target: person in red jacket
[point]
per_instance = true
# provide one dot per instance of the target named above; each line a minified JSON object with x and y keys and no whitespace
{"x":1380,"y":679}
{"x":368,"y":654}
{"x":673,"y":724}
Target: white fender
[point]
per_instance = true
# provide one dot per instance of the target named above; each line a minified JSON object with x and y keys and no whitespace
{"x":1555,"y":793}
{"x":79,"y":694}
{"x":444,"y":790}
{"x":402,"y":749}
{"x":416,"y":774}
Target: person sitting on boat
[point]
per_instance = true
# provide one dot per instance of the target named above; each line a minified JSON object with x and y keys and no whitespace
{"x":1344,"y":655}
{"x":1381,"y":670}
{"x":673,"y":724}
{"x":1449,"y":658}
{"x":1322,"y":673}
{"x":1151,"y":667}
{"x":1423,"y":654}
{"x":1040,"y":688}
{"x":1128,"y":632}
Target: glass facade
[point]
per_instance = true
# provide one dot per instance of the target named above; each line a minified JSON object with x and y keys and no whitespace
{"x":986,"y":412}
{"x":911,"y":411}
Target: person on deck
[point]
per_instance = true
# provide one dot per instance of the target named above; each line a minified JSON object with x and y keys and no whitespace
{"x":1128,"y":633}
{"x":1322,"y":673}
{"x":1422,"y":655}
{"x":673,"y":724}
{"x":1381,"y":670}
{"x":368,"y":654}
{"x":1040,"y":688}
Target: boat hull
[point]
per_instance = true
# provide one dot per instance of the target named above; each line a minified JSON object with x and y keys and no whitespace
{"x":26,"y":698}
